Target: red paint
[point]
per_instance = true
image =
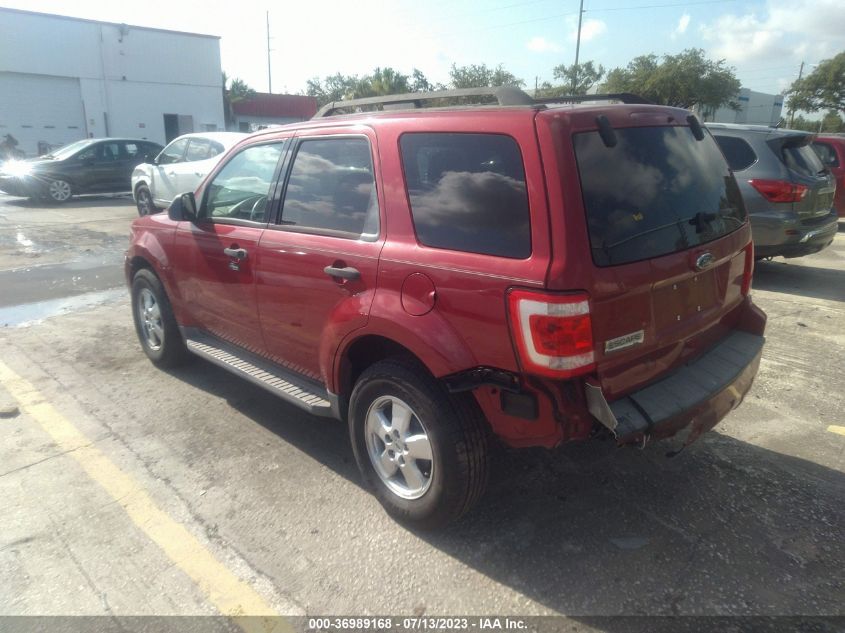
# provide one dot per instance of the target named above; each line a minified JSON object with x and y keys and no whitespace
{"x":837,"y":144}
{"x":418,"y":294}
{"x":450,"y":308}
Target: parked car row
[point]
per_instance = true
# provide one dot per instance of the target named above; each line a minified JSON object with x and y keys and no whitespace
{"x":153,"y":174}
{"x":534,"y":273}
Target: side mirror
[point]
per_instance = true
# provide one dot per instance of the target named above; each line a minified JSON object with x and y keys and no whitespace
{"x":183,"y":208}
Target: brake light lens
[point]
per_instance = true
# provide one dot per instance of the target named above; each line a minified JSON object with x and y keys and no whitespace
{"x":779,"y":190}
{"x":749,"y":269}
{"x":553,"y":333}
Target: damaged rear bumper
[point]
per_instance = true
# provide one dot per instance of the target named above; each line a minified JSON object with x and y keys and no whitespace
{"x":694,"y":397}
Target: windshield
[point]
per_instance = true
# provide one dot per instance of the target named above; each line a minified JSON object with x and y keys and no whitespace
{"x":68,"y":150}
{"x":657,"y":191}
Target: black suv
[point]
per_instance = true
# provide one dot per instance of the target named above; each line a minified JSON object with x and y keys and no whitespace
{"x":88,"y":166}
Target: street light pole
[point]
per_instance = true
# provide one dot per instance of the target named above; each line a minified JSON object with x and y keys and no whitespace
{"x":577,"y":46}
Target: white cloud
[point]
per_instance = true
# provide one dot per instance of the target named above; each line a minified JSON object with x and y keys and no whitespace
{"x":591,"y":28}
{"x":683,"y":23}
{"x":541,"y":45}
{"x":784,"y":30}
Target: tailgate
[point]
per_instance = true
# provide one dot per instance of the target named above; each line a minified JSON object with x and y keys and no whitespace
{"x":668,"y":239}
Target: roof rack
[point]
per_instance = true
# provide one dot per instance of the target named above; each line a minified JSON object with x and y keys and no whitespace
{"x":504,"y":95}
{"x":624,"y":97}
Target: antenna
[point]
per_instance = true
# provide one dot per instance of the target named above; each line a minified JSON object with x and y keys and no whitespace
{"x":577,"y":47}
{"x":269,"y":74}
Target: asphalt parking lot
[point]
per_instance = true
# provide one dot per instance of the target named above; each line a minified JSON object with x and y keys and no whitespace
{"x":131,"y":491}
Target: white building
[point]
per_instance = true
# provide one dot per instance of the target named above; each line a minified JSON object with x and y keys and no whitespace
{"x":63,"y":79}
{"x":755,"y":108}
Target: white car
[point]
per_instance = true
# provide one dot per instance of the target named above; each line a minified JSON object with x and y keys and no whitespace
{"x":179,"y":168}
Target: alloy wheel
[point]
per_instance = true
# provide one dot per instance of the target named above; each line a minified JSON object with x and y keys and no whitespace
{"x":399,"y":447}
{"x":149,"y":315}
{"x":59,"y":190}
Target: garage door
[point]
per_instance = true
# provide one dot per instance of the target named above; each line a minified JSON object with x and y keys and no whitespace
{"x":40,"y":109}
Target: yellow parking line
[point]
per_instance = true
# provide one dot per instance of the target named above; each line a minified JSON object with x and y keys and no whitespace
{"x":231,"y":596}
{"x":836,"y":429}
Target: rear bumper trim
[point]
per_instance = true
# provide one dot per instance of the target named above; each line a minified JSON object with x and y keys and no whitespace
{"x":700,"y":393}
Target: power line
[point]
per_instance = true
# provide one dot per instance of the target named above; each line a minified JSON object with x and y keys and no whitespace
{"x":661,"y":6}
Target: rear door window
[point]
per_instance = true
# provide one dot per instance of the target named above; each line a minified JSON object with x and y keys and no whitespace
{"x":657,"y":191}
{"x":331,"y":189}
{"x":468,"y":193}
{"x":197,"y":149}
{"x":737,"y":152}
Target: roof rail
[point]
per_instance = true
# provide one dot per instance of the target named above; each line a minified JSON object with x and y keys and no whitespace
{"x":504,"y":95}
{"x":624,"y":97}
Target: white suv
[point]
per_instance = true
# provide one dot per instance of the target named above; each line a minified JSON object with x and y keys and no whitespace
{"x":179,"y":168}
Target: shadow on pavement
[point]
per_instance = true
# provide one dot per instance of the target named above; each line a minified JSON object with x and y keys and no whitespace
{"x":806,"y":281}
{"x":587,"y":530}
{"x":87,"y":201}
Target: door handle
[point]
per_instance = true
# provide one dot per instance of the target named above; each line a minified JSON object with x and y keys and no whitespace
{"x":343,"y":273}
{"x":237,"y":253}
{"x":171,"y":173}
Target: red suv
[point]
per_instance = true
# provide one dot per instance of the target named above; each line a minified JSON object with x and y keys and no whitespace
{"x":538,"y":273}
{"x":831,"y":151}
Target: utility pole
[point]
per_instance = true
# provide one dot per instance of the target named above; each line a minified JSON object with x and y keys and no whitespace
{"x":792,"y":109}
{"x":577,"y":46}
{"x":269,"y":74}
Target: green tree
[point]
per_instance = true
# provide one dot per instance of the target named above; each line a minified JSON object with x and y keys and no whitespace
{"x":383,"y":81}
{"x":684,"y":80}
{"x":822,"y":89}
{"x":481,"y":75}
{"x":237,"y":90}
{"x":832,"y":123}
{"x":420,"y":83}
{"x":333,"y":88}
{"x":577,"y":78}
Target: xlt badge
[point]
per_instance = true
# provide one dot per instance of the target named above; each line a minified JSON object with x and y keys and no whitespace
{"x":626,"y":340}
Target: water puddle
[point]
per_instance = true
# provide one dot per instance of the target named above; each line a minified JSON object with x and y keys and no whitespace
{"x":31,"y":313}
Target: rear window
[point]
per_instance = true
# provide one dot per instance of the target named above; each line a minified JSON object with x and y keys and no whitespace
{"x":737,"y":152}
{"x":826,"y":154}
{"x":658,"y":191}
{"x":802,"y":160}
{"x":468,"y":193}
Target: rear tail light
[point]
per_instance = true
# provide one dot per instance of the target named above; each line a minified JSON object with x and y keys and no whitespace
{"x":749,"y":269}
{"x":553,"y":333}
{"x":779,"y":190}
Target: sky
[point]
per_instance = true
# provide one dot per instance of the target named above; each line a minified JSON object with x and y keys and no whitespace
{"x":765,"y":41}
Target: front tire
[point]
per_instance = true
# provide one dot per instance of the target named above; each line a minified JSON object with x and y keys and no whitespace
{"x":155,"y":324}
{"x":59,"y":190}
{"x":144,"y":201}
{"x":422,"y":451}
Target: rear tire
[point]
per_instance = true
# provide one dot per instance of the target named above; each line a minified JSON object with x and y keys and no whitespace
{"x":422,"y":451}
{"x":155,"y":324}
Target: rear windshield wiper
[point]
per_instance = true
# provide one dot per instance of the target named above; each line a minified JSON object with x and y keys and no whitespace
{"x":700,"y":219}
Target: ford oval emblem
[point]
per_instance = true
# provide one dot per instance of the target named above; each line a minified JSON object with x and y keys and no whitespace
{"x":705,"y":260}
